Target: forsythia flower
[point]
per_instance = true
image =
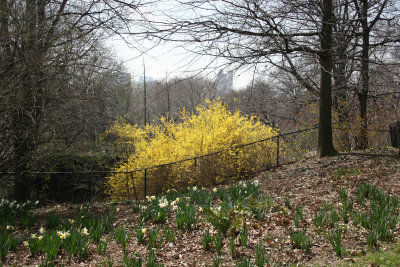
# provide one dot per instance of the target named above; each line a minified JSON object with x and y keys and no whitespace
{"x":85,"y":231}
{"x":210,"y":128}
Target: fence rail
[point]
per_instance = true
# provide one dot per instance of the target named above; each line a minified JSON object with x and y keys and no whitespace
{"x":84,"y":185}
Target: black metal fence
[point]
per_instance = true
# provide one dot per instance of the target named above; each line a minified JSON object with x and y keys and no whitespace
{"x":80,"y":186}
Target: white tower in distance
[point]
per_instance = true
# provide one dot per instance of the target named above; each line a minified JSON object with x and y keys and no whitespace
{"x":224,"y":81}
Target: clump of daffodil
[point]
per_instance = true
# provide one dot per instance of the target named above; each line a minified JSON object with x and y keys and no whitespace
{"x":63,"y":235}
{"x":163,"y":203}
{"x":212,"y":127}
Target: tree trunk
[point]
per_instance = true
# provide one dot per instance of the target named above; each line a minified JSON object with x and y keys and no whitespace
{"x":340,"y":103}
{"x":28,"y":104}
{"x":325,"y":138}
{"x":362,"y":138}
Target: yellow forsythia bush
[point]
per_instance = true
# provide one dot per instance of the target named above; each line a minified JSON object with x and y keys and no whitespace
{"x":211,"y":128}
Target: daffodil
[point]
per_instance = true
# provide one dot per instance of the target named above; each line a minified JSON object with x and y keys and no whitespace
{"x":163,"y":204}
{"x":117,"y":209}
{"x":144,"y":230}
{"x":215,"y":190}
{"x":40,"y":237}
{"x":85,"y":231}
{"x":33,"y":236}
{"x":41,"y":230}
{"x":64,"y":235}
{"x":9,"y":227}
{"x":71,"y":221}
{"x":26,"y":243}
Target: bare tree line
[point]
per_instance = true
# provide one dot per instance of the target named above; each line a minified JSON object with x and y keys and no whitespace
{"x":60,"y":88}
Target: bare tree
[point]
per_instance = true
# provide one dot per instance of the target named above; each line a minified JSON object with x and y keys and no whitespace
{"x":262,"y":32}
{"x":41,"y":43}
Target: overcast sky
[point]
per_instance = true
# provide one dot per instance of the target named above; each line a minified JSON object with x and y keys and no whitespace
{"x":170,"y":61}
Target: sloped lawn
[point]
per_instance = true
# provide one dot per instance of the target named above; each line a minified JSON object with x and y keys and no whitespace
{"x":317,"y":212}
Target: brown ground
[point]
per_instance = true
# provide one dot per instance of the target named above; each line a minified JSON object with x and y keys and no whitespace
{"x":307,"y":184}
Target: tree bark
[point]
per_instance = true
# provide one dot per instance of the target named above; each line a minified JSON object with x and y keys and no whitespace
{"x":362,"y":139}
{"x":325,"y":141}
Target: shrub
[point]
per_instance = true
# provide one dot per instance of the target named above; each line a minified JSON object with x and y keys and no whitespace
{"x":211,"y":128}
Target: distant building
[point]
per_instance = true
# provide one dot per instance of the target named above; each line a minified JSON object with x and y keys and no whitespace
{"x":224,"y":81}
{"x":149,"y":79}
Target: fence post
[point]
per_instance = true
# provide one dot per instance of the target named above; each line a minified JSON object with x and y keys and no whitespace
{"x":90,"y":187}
{"x":194,"y":171}
{"x":134,"y":186}
{"x":145,"y":182}
{"x":127,"y":185}
{"x":277,"y":151}
{"x":38,"y":185}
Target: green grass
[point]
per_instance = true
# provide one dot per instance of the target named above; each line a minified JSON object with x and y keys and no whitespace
{"x":389,"y":257}
{"x":345,"y":171}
